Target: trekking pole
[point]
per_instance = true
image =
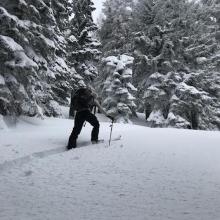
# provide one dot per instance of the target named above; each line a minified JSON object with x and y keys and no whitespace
{"x":94,"y":110}
{"x":111,"y":133}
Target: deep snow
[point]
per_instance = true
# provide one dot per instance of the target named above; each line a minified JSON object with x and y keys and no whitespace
{"x":151,"y":174}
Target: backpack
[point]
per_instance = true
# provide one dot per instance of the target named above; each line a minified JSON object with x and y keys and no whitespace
{"x":82,"y":99}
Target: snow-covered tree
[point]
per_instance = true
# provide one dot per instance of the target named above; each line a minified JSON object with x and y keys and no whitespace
{"x":175,"y":56}
{"x":34,"y":75}
{"x":183,"y":100}
{"x":83,"y":46}
{"x":115,"y":32}
{"x":117,"y":90}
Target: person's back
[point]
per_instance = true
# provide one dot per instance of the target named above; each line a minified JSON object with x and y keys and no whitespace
{"x":82,"y":100}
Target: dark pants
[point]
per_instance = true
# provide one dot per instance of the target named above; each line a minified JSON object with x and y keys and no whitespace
{"x":80,"y":118}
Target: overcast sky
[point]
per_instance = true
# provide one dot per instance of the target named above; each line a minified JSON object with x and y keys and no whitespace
{"x":98,"y":5}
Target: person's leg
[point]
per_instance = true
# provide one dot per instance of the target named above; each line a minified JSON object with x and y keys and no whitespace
{"x":92,"y":119}
{"x":78,"y":124}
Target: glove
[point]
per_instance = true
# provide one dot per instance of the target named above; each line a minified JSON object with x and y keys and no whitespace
{"x":110,"y":117}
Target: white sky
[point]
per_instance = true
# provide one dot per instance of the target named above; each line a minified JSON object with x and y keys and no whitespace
{"x":98,"y":5}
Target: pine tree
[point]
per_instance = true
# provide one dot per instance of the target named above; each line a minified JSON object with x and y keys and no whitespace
{"x":34,"y":75}
{"x":117,"y":92}
{"x":176,"y":50}
{"x":83,"y":50}
{"x":116,"y":69}
{"x":115,"y":32}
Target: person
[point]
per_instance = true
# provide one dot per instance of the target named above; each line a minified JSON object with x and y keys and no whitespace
{"x":83,"y":101}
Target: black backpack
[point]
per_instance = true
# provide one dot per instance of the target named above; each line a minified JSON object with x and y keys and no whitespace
{"x":82,"y":99}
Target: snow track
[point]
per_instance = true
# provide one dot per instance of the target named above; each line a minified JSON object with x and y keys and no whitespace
{"x":26,"y":159}
{"x":44,"y":154}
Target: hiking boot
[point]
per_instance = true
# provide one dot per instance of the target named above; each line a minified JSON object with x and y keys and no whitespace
{"x":97,"y":141}
{"x":71,"y":145}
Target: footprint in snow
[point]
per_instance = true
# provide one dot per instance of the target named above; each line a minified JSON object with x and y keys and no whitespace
{"x":28,"y":173}
{"x":76,"y":158}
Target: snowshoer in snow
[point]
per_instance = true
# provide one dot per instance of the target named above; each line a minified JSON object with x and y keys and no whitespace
{"x":83,"y":102}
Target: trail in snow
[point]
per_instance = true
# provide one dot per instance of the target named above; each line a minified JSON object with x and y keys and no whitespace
{"x":44,"y":154}
{"x":23,"y":160}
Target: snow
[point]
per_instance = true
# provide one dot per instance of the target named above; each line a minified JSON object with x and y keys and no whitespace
{"x":88,"y":73}
{"x":11,"y":79}
{"x":120,"y":66}
{"x":131,"y":97}
{"x":34,"y":9}
{"x":72,"y":38}
{"x":126,"y":59}
{"x":10,"y":44}
{"x":128,"y":9}
{"x":121,"y":91}
{"x":95,"y":44}
{"x":22,"y":60}
{"x":131,"y":87}
{"x":116,"y":81}
{"x":59,"y":66}
{"x":151,"y":89}
{"x":127,"y":74}
{"x":183,"y":87}
{"x":51,"y":74}
{"x":201,"y":60}
{"x":157,"y":117}
{"x":2,"y":80}
{"x":177,"y":120}
{"x":61,"y":39}
{"x":120,"y":62}
{"x":23,"y":2}
{"x":155,"y":174}
{"x":55,"y":106}
{"x":36,"y":57}
{"x":111,"y":60}
{"x":4,"y":14}
{"x":48,"y":42}
{"x":2,"y":123}
{"x":62,"y":63}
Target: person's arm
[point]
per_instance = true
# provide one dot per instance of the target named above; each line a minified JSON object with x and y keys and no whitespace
{"x":102,"y":110}
{"x":100,"y":107}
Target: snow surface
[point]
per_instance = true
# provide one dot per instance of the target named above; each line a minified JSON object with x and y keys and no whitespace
{"x":155,"y":174}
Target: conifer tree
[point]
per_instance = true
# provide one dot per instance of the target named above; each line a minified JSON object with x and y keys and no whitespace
{"x":176,"y":50}
{"x":117,"y":91}
{"x":115,"y":33}
{"x":34,"y":75}
{"x":83,"y":50}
